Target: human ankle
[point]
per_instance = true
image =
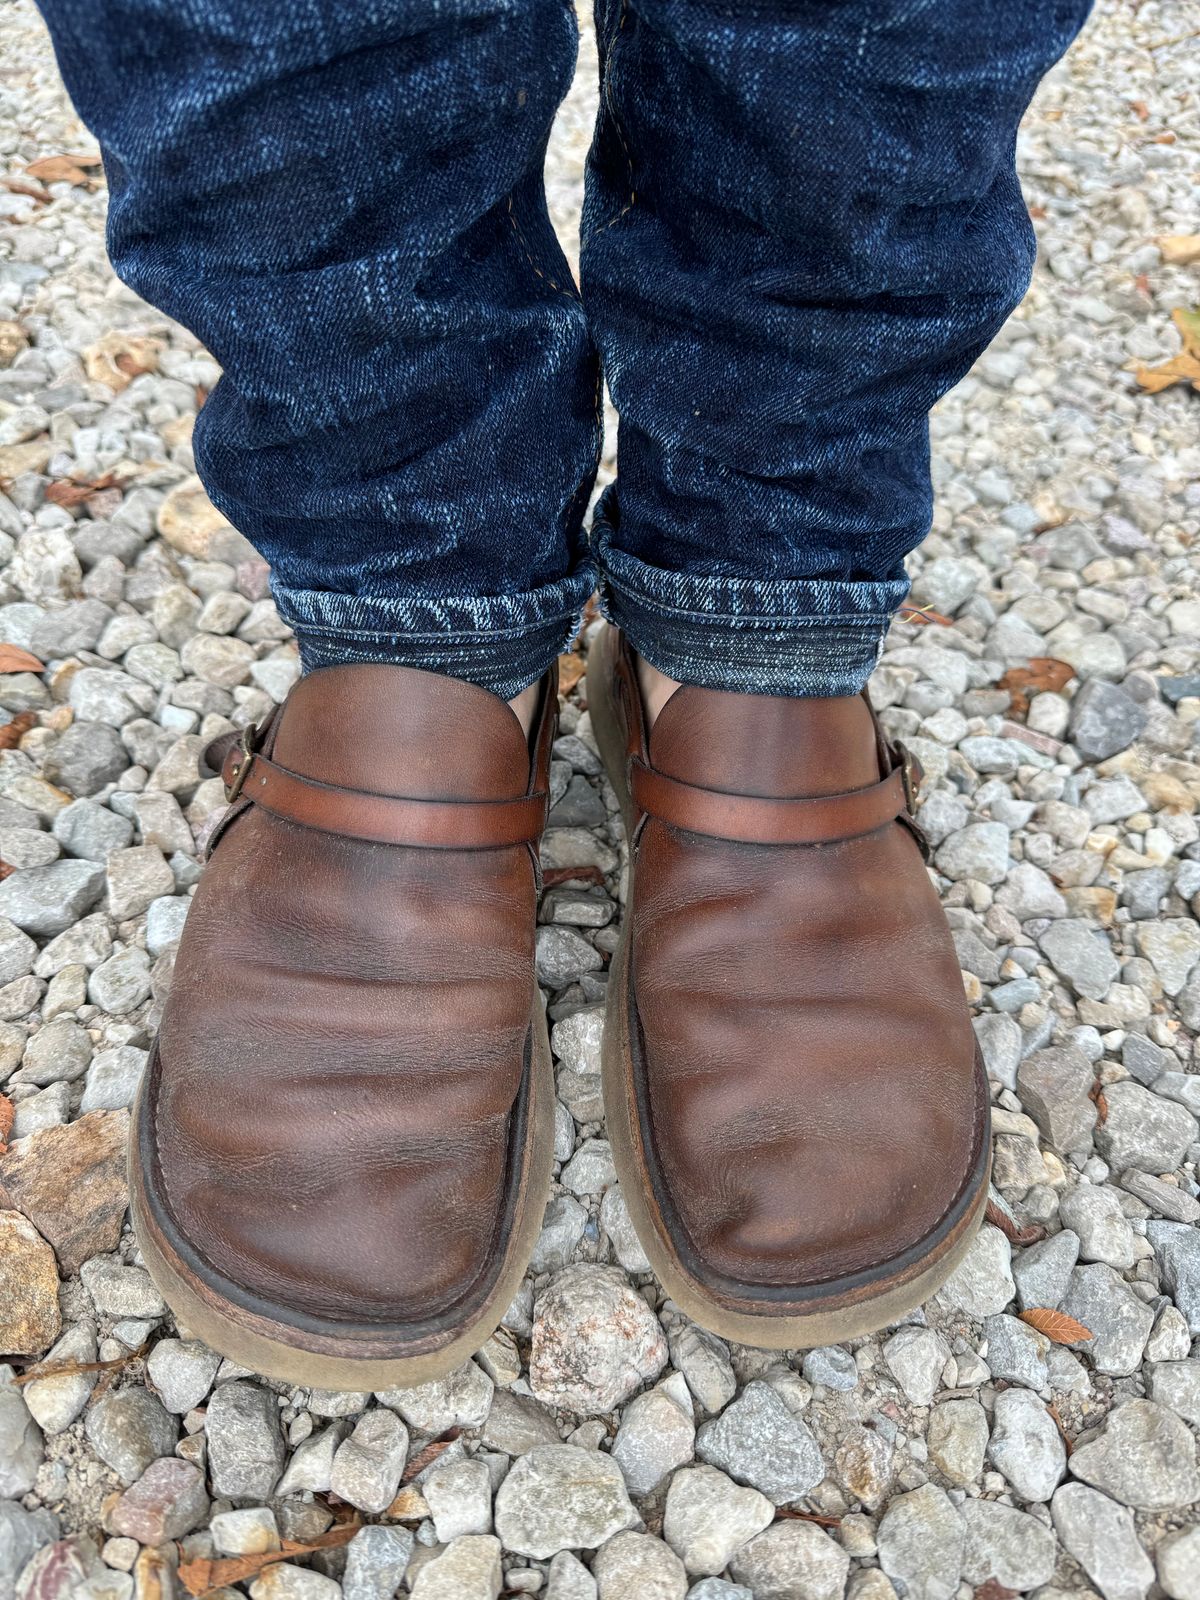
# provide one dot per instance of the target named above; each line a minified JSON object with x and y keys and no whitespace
{"x":524,"y":706}
{"x":656,"y":689}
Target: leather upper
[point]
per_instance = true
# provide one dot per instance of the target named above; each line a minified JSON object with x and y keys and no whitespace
{"x":812,"y":1103}
{"x":348,"y":1024}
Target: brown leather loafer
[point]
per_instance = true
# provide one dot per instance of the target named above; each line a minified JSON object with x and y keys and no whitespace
{"x":343,"y":1141}
{"x":797,"y":1107}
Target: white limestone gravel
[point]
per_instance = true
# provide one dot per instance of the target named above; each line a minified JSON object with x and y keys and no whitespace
{"x":601,"y":1444}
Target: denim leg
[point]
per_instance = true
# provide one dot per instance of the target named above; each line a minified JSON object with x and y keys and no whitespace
{"x":803,"y":224}
{"x":345,"y":203}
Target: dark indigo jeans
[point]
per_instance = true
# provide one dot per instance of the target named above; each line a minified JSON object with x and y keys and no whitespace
{"x":802,"y":224}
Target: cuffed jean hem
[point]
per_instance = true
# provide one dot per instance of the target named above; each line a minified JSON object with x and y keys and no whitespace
{"x":787,"y":636}
{"x":501,"y":642}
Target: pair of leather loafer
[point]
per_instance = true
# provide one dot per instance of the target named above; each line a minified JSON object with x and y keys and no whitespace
{"x":344,"y":1140}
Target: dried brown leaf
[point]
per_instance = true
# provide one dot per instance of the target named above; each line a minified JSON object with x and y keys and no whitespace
{"x":1183,"y":368}
{"x":1099,"y":1099}
{"x":1179,"y":249}
{"x":129,"y":364}
{"x":15,"y":186}
{"x":201,"y":1576}
{"x":1188,"y":323}
{"x":65,"y":492}
{"x":993,"y":1589}
{"x":570,"y":670}
{"x":431,"y":1452}
{"x":13,"y":659}
{"x":7,"y":1112}
{"x":60,"y":169}
{"x":1057,"y":1326}
{"x":13,"y":732}
{"x":1044,"y":673}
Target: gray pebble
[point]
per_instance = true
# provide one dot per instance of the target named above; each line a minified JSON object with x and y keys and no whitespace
{"x":113,"y":1078}
{"x":562,"y":954}
{"x":922,"y":1543}
{"x":182,"y":1371}
{"x":657,"y":1434}
{"x":1082,"y":955}
{"x":1043,"y":1271}
{"x":758,"y":1441}
{"x":130,"y":1429}
{"x":367,"y":1466}
{"x":1144,"y":1130}
{"x":47,"y":900}
{"x":1142,"y":1456}
{"x":1177,"y":1247}
{"x":121,"y":983}
{"x":17,"y":951}
{"x":59,"y":1052}
{"x":1117,"y":1320}
{"x":1054,"y":1087}
{"x":1100,"y":1535}
{"x":559,"y":1497}
{"x":245,"y":1445}
{"x":1016,"y":1353}
{"x":376,"y":1559}
{"x":1011,"y":1547}
{"x":1104,"y":720}
{"x":978,"y":852}
{"x":832,"y":1367}
{"x":1026,"y":1446}
{"x":86,"y":829}
{"x":85,"y":757}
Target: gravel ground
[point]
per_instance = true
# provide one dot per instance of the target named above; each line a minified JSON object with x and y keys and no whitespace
{"x":600,"y":1444}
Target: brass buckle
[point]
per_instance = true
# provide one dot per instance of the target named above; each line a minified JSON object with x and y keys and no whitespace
{"x":910,"y":776}
{"x":247,"y":745}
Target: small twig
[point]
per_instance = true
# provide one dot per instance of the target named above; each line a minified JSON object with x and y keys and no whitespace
{"x":921,"y":615}
{"x":1179,"y":38}
{"x":75,"y":1369}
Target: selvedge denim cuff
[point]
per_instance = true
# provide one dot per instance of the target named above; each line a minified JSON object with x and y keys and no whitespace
{"x":802,"y":224}
{"x":501,"y":642}
{"x":792,"y":636}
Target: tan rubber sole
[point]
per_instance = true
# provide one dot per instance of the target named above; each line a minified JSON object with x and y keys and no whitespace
{"x":833,"y":1318}
{"x":277,"y":1351}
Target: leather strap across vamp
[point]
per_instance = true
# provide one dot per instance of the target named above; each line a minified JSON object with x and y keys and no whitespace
{"x":795,"y":1098}
{"x":344,"y":1138}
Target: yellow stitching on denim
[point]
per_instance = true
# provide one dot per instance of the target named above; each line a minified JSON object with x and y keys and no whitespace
{"x":571,"y":293}
{"x":616,"y":122}
{"x":587,"y":484}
